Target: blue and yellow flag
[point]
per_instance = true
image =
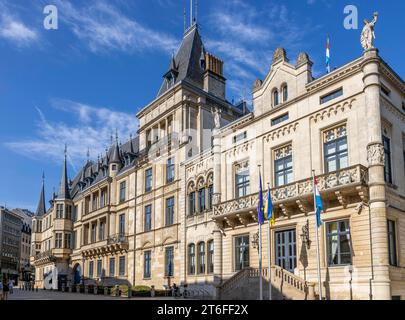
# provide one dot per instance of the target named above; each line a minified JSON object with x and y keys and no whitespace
{"x":268,"y":210}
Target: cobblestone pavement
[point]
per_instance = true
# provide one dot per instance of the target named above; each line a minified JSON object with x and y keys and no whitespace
{"x":55,"y":295}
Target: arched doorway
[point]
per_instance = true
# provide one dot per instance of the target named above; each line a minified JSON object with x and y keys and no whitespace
{"x":77,"y":274}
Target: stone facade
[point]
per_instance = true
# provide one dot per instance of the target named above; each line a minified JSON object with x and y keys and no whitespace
{"x":191,"y":189}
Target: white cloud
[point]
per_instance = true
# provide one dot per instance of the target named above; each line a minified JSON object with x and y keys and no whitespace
{"x":102,"y":28}
{"x":14,"y":30}
{"x":92,"y":129}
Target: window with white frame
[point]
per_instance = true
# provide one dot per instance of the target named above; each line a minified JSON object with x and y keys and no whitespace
{"x":283,"y":166}
{"x":338,"y":243}
{"x":335,"y":149}
{"x":242,"y":179}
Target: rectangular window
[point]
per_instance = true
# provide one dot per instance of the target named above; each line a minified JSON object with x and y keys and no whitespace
{"x":148,"y":180}
{"x":336,"y":149}
{"x":330,"y":96}
{"x":201,"y":200}
{"x":58,"y":240}
{"x":93,"y":232}
{"x":68,"y":209}
{"x":169,"y":267}
{"x":338,"y":243}
{"x":210,"y":258}
{"x":169,"y":211}
{"x":385,"y":90}
{"x":91,"y":269}
{"x":68,"y":241}
{"x":101,"y":231}
{"x":279,"y":119}
{"x":241,"y":252}
{"x":147,"y":264}
{"x":240,"y":137}
{"x":210,"y":196}
{"x":94,"y":205}
{"x":191,"y":259}
{"x":201,"y":258}
{"x":75,"y":212}
{"x":99,"y":268}
{"x":283,"y":166}
{"x":103,"y":198}
{"x":148,"y":218}
{"x":59,"y":211}
{"x":121,"y":230}
{"x":122,"y":266}
{"x":122,"y":190}
{"x":112,"y":267}
{"x":170,"y":170}
{"x":191,"y":203}
{"x":392,"y":243}
{"x":387,"y":154}
{"x":74,"y":240}
{"x":242,"y":183}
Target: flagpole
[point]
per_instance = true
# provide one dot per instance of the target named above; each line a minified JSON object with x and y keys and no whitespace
{"x":260,"y":249}
{"x":317,"y":240}
{"x":269,"y":246}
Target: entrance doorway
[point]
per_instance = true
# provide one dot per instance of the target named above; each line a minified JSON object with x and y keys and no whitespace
{"x":77,"y":276}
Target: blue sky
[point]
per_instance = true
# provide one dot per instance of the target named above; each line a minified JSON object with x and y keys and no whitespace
{"x":79,"y":83}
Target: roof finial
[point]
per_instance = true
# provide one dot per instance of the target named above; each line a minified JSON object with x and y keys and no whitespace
{"x":191,"y":13}
{"x":184,"y":17}
{"x":196,"y":11}
{"x":43,"y":177}
{"x":88,"y":154}
{"x":116,"y":135}
{"x":65,"y":151}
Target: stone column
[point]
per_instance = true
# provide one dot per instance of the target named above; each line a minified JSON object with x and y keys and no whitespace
{"x":217,"y":260}
{"x":375,"y":157}
{"x":217,"y":167}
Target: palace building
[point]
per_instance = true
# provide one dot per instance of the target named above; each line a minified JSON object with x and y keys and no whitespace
{"x":178,"y":203}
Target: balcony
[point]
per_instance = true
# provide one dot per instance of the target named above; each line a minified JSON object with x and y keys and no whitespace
{"x":337,"y":188}
{"x":117,"y":243}
{"x":44,"y":257}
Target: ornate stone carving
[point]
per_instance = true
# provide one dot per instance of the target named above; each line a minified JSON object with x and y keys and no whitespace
{"x":217,"y":117}
{"x":283,"y":152}
{"x":279,"y":54}
{"x":335,"y":133}
{"x":375,"y":154}
{"x":303,"y":58}
{"x":241,"y":166}
{"x":368,"y":35}
{"x":257,"y":84}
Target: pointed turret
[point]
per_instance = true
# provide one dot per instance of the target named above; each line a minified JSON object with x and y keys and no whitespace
{"x":64,"y":182}
{"x":116,"y":155}
{"x":41,"y":209}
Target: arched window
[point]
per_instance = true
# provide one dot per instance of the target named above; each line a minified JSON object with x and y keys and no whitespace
{"x":191,"y":259}
{"x":191,"y":199}
{"x":284,"y":90}
{"x":275,"y":98}
{"x":201,"y":195}
{"x":201,"y":257}
{"x":210,"y":257}
{"x":210,"y":183}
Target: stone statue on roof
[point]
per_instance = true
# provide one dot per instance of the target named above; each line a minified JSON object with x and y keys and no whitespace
{"x":368,"y":35}
{"x":217,"y":118}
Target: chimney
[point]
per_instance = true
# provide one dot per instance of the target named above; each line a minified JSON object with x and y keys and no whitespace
{"x":214,"y":81}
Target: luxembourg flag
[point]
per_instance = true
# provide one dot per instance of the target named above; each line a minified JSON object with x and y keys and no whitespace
{"x":317,"y":202}
{"x":328,"y":55}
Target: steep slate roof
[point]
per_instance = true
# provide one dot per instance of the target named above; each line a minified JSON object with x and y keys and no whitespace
{"x":64,"y":193}
{"x":130,"y":147}
{"x":41,"y":209}
{"x":187,"y":61}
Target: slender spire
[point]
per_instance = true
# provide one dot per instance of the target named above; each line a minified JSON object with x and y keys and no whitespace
{"x":116,"y":158}
{"x":196,"y":11}
{"x":64,"y":182}
{"x":184,"y":17}
{"x":41,"y":209}
{"x":191,"y":13}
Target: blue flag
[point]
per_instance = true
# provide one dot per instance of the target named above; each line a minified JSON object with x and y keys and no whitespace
{"x":260,"y":206}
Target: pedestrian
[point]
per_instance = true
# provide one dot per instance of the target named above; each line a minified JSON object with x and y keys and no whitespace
{"x":11,"y":286}
{"x":1,"y":290}
{"x":5,"y":290}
